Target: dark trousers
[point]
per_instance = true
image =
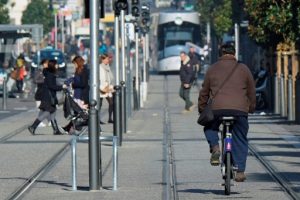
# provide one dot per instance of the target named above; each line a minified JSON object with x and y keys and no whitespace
{"x":19,"y":84}
{"x":110,"y":106}
{"x":239,"y":140}
{"x":184,"y":93}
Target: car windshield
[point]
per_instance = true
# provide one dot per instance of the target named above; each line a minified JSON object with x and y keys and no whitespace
{"x":50,"y":55}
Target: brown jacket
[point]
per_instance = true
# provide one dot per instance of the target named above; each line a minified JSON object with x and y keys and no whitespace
{"x":238,"y":92}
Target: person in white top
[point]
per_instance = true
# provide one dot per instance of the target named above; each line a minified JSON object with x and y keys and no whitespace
{"x":106,"y":85}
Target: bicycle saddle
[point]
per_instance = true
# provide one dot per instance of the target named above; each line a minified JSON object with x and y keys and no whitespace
{"x":228,"y":118}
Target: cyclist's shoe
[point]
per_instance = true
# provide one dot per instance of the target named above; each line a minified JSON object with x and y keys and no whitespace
{"x":215,"y":156}
{"x":240,"y":177}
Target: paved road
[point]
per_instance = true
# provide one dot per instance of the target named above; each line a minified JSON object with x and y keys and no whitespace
{"x":144,"y":169}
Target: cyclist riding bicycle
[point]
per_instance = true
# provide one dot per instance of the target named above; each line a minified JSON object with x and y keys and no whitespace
{"x":235,"y":98}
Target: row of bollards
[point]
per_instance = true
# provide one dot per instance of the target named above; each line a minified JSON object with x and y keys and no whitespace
{"x":286,"y":82}
{"x":285,"y":102}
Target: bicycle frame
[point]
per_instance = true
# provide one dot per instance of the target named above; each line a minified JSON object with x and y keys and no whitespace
{"x":227,"y":167}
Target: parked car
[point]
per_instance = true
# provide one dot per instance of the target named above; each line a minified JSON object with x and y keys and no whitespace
{"x":51,"y":54}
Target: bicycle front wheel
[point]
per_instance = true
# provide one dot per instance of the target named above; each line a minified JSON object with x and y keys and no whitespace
{"x":228,"y":173}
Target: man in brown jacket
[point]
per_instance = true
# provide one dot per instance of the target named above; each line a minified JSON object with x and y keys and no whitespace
{"x":235,"y":98}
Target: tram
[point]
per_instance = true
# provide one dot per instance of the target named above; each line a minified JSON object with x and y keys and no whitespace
{"x":175,"y":30}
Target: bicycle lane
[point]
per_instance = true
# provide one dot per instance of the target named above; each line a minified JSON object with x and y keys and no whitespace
{"x":196,"y":178}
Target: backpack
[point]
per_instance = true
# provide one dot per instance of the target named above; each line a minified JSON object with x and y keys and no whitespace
{"x":38,"y":77}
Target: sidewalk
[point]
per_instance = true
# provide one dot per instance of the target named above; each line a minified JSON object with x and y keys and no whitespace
{"x":142,"y":160}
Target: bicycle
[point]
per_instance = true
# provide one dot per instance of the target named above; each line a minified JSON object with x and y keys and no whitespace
{"x":228,"y":169}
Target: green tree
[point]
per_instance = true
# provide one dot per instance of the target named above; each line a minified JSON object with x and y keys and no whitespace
{"x":3,"y":2}
{"x":4,"y":15}
{"x":218,"y":13}
{"x":273,"y":22}
{"x":37,"y":12}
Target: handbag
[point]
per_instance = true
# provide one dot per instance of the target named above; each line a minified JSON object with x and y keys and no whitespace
{"x":207,"y":115}
{"x":38,"y":77}
{"x":52,"y":99}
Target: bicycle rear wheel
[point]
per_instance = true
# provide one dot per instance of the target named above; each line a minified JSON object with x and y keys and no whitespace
{"x":228,"y":173}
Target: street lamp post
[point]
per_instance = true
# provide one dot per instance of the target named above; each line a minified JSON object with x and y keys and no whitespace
{"x":94,"y":150}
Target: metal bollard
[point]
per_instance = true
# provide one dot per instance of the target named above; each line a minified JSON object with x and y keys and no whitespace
{"x":117,"y":112}
{"x":94,"y":156}
{"x":4,"y":100}
{"x":139,"y":93}
{"x":128,"y":95}
{"x":141,"y":97}
{"x":115,"y":163}
{"x":282,"y":95}
{"x":76,"y":139}
{"x":290,"y":99}
{"x":135,"y":95}
{"x":277,"y":95}
{"x":74,"y":164}
{"x":123,"y":108}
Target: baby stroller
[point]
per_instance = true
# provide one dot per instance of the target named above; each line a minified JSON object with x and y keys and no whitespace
{"x":73,"y":112}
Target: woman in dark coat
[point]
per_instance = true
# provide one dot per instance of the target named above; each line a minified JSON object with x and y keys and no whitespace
{"x":80,"y":80}
{"x":48,"y":99}
{"x":80,"y":85}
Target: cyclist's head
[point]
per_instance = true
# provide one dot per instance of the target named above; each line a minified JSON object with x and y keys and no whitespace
{"x":227,"y":49}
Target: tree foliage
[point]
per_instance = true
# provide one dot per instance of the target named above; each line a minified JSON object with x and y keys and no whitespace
{"x":273,"y":21}
{"x":219,"y":13}
{"x":37,"y":12}
{"x":4,"y":15}
{"x":3,"y":2}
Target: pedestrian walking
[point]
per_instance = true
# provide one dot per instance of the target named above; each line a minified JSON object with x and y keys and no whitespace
{"x":48,"y":99}
{"x":106,"y":85}
{"x":187,"y":76}
{"x":236,"y":98}
{"x":21,"y":73}
{"x":38,"y":79}
{"x":195,"y":62}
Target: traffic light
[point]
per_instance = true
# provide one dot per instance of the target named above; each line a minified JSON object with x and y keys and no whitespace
{"x":135,"y":11}
{"x":120,"y":5}
{"x":145,"y":18}
{"x":87,"y":9}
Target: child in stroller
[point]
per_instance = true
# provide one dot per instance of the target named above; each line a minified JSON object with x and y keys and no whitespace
{"x":75,"y":111}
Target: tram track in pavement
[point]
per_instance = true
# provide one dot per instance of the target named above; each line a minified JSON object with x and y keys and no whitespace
{"x":25,"y":187}
{"x":269,"y":167}
{"x":29,"y":182}
{"x":43,"y":169}
{"x":169,"y":166}
{"x":13,"y":134}
{"x":280,"y":180}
